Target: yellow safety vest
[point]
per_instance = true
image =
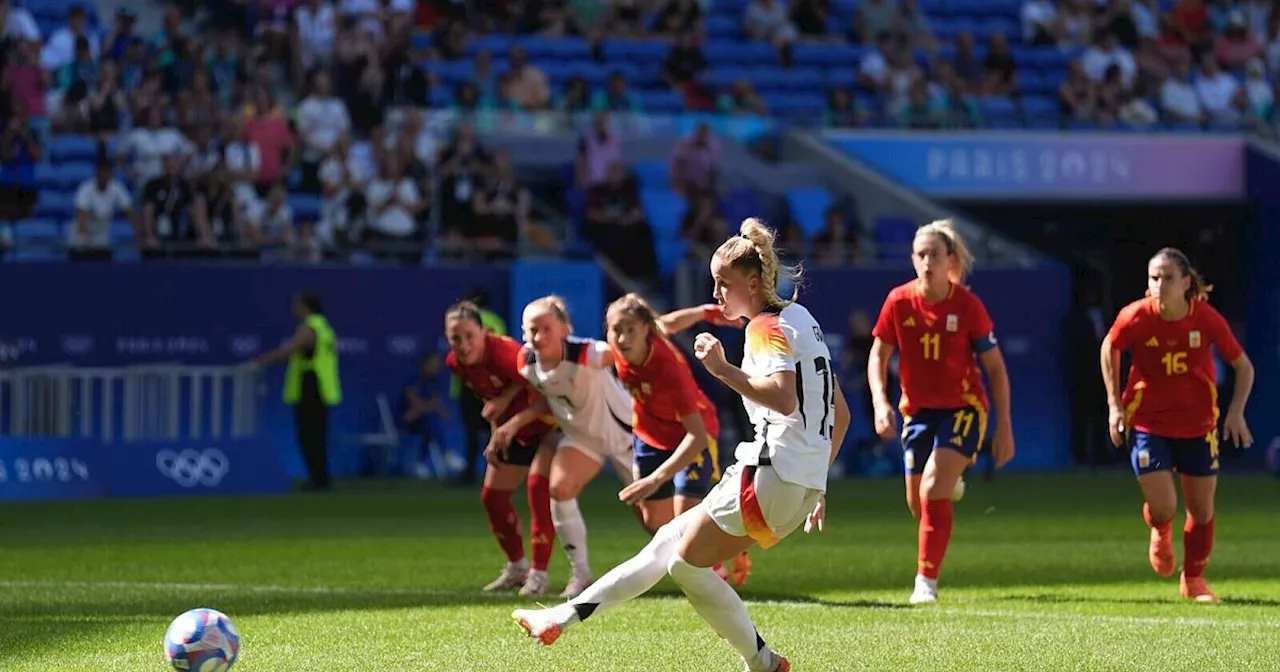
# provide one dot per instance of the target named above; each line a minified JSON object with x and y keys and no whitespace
{"x":323,"y":362}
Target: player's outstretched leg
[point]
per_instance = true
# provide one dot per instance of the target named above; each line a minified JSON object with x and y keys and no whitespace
{"x":622,"y":583}
{"x":715,"y":601}
{"x":1197,"y":539}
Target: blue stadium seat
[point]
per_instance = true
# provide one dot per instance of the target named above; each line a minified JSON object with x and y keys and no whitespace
{"x":306,"y":208}
{"x":724,"y":27}
{"x":64,"y":148}
{"x":827,"y":55}
{"x":635,"y":51}
{"x":422,"y":40}
{"x":651,"y":173}
{"x":38,"y":254}
{"x":69,"y":176}
{"x":664,"y":209}
{"x":661,"y":102}
{"x":670,"y":253}
{"x":55,"y":205}
{"x":808,"y":208}
{"x":740,"y":53}
{"x":738,"y":205}
{"x":46,"y":232}
{"x":893,"y":236}
{"x":494,"y":44}
{"x":1039,"y":106}
{"x":122,"y":232}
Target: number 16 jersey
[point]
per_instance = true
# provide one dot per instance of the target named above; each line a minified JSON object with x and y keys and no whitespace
{"x":937,"y":343}
{"x":798,"y":446}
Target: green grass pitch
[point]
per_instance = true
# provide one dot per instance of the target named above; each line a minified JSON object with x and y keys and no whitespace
{"x":1045,"y":573}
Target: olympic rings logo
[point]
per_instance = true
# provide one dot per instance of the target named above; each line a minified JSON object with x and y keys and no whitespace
{"x":191,"y":467}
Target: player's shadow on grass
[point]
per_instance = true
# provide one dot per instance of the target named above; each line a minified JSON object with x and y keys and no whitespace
{"x":1043,"y":598}
{"x":767,"y":598}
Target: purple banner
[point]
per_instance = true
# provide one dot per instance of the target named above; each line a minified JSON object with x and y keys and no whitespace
{"x":1061,"y":166}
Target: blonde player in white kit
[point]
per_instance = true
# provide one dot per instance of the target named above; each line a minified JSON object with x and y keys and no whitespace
{"x":592,"y":409}
{"x":800,"y":419}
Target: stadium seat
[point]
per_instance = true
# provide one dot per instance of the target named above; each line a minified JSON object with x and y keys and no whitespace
{"x":306,"y":207}
{"x":39,"y":232}
{"x":55,"y":205}
{"x":664,"y":209}
{"x":651,"y":173}
{"x":808,"y":208}
{"x":67,"y":148}
{"x":893,"y":236}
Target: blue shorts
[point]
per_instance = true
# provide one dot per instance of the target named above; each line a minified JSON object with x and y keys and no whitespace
{"x":694,"y":481}
{"x":1149,"y":453}
{"x":958,"y":429}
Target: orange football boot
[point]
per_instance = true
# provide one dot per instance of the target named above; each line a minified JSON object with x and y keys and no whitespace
{"x":1196,"y":588}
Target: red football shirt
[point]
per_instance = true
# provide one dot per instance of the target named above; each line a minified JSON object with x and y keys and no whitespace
{"x":663,"y":391}
{"x":937,"y":344}
{"x":496,"y":372}
{"x":1172,"y":389}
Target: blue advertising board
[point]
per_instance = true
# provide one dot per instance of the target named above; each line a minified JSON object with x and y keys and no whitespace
{"x":1054,"y":166}
{"x":33,"y":469}
{"x":178,"y":469}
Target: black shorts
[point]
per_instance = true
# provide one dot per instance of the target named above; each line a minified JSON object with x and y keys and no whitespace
{"x":522,"y":451}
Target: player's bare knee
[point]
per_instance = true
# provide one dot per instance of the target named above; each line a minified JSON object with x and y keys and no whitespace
{"x":1199,"y":512}
{"x":563,"y":492}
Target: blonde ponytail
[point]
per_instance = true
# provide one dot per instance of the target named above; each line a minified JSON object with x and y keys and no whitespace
{"x":752,"y":252}
{"x":945,"y":231}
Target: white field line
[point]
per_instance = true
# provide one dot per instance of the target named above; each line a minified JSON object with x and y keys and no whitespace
{"x":1063,"y":616}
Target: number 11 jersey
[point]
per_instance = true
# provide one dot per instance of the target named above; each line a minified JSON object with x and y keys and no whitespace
{"x":937,"y":343}
{"x":798,"y":446}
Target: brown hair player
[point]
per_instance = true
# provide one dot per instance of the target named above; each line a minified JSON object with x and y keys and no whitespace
{"x":486,"y":363}
{"x":939,"y":328}
{"x":1168,"y":413}
{"x":676,"y":426}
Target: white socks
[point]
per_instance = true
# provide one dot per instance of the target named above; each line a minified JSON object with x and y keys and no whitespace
{"x":720,"y":606}
{"x":628,"y":580}
{"x":571,"y":529}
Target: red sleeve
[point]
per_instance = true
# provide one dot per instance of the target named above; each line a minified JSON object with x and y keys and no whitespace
{"x":675,"y":373}
{"x":886,"y":326}
{"x":1121,"y":333}
{"x":1220,"y":335}
{"x":504,"y":360}
{"x":982,"y":326}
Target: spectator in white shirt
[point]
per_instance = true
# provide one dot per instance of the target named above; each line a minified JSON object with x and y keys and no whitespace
{"x":98,"y":200}
{"x":61,"y":48}
{"x":269,"y":221}
{"x":18,"y":23}
{"x":244,"y":162}
{"x":394,"y":203}
{"x":1040,"y":25}
{"x":149,"y":146}
{"x":1106,"y":52}
{"x":322,"y":119}
{"x":414,"y":132}
{"x":316,"y":23}
{"x":874,"y":68}
{"x":768,"y":20}
{"x":1221,"y":96}
{"x":1178,"y":98}
{"x":1259,"y":91}
{"x":342,"y":201}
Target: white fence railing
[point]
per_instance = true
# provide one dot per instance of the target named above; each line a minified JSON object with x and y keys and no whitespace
{"x":134,"y":403}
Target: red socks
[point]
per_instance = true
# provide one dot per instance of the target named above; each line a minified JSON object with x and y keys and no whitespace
{"x":504,"y":522}
{"x":1197,"y":543}
{"x":935,"y":534}
{"x":1163,"y":527}
{"x":542,"y":531}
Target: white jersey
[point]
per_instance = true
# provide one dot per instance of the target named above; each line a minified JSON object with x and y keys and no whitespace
{"x":797,"y":445}
{"x":591,"y":405}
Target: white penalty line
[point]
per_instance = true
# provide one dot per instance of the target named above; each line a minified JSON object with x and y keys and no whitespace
{"x":1072,"y":617}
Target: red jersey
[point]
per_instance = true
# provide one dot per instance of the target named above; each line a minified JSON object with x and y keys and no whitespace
{"x":495,"y":373}
{"x":663,"y":391}
{"x":937,"y":344}
{"x":1172,"y":389}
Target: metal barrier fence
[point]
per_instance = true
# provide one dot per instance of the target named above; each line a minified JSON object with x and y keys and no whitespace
{"x":135,"y":403}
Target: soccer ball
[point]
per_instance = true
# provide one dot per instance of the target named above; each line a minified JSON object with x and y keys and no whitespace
{"x":202,"y":640}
